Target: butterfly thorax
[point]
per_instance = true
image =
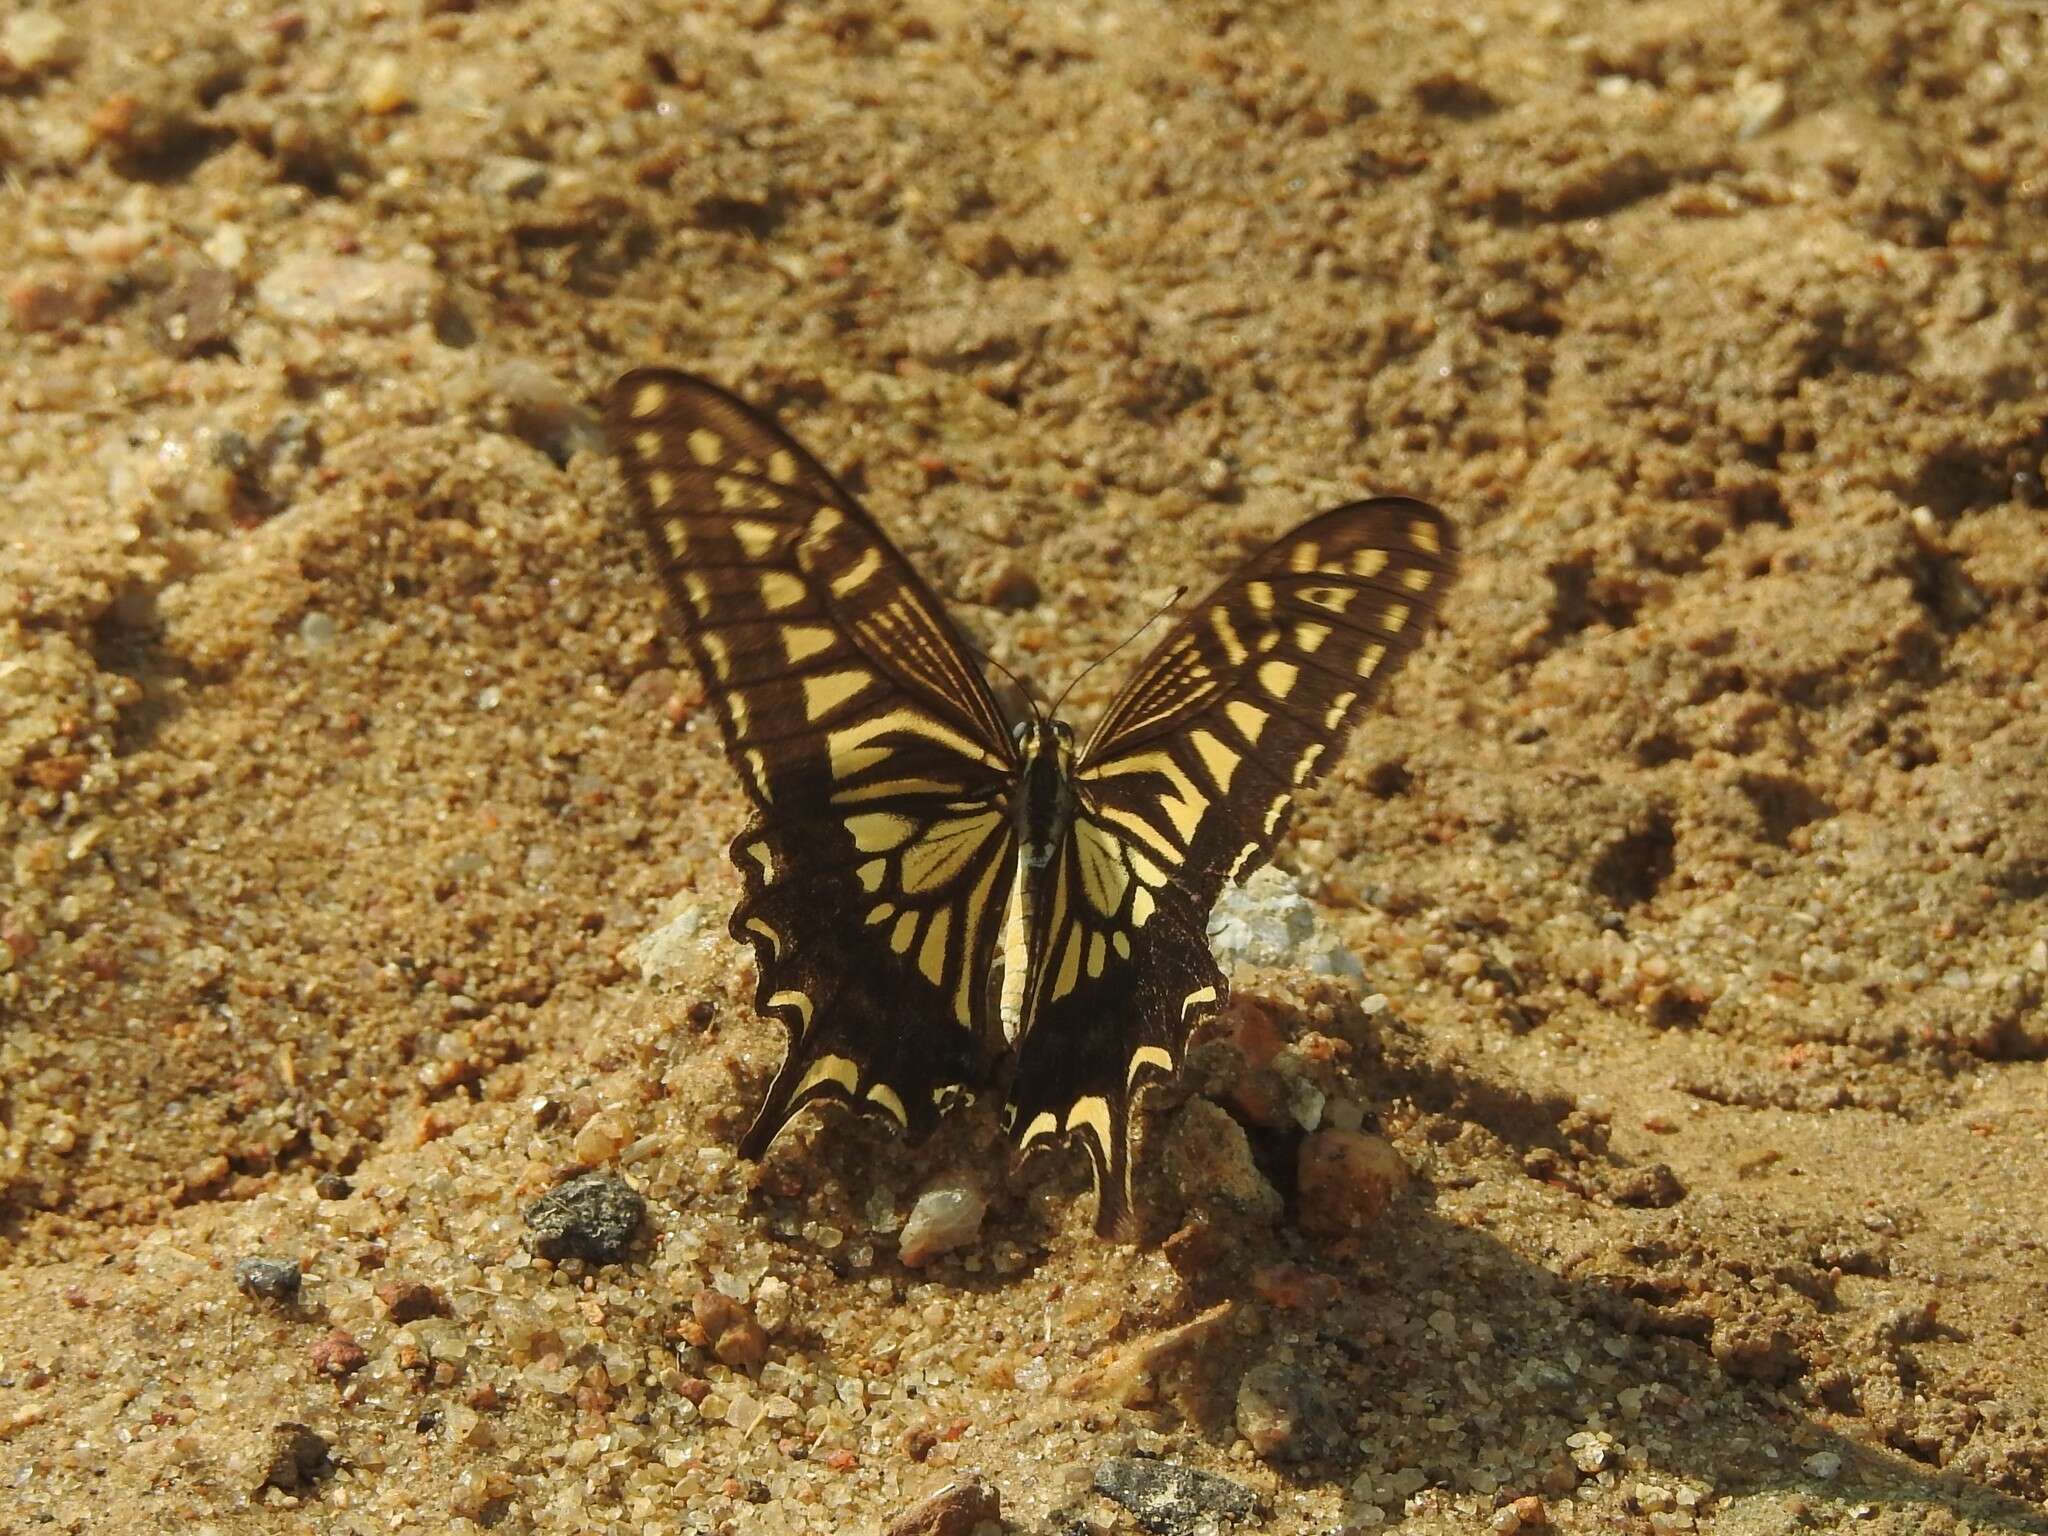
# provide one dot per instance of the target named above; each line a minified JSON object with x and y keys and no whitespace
{"x":1042,"y":811}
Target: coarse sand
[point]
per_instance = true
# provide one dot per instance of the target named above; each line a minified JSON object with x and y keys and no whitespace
{"x":1678,"y":1161}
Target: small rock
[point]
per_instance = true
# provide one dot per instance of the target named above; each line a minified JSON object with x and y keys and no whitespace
{"x":730,"y":1331}
{"x":1655,"y":1188}
{"x":1208,"y":1160}
{"x":1346,"y":1180}
{"x":349,"y":291}
{"x":407,"y":1301}
{"x":946,"y":1216}
{"x":1011,"y":587}
{"x":535,"y":407}
{"x":510,"y":176}
{"x":298,"y":1456}
{"x":190,"y":318}
{"x":983,"y":249}
{"x":1295,"y":1288}
{"x":955,"y":1510}
{"x":55,"y":300}
{"x":332,"y":1186}
{"x":271,"y":1279}
{"x":1266,"y":921}
{"x":1171,"y":1500}
{"x":385,"y":87}
{"x":337,"y":1354}
{"x":1287,"y":1413}
{"x":592,"y":1217}
{"x":36,"y":43}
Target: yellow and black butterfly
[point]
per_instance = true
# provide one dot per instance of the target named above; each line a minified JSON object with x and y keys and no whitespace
{"x":922,"y":871}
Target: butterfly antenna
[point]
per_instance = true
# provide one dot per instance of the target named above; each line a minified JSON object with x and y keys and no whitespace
{"x":1015,"y":681}
{"x":1157,"y":614}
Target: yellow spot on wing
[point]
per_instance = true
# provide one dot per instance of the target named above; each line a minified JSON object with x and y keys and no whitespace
{"x":1368,"y":562}
{"x":706,"y":447}
{"x":879,"y":831}
{"x":1261,"y":595}
{"x":782,"y":467}
{"x":824,"y":694}
{"x":800,"y":642}
{"x":931,"y":955}
{"x":1216,"y":757}
{"x":677,"y":532}
{"x":1148,"y":1056}
{"x":1331,"y":599}
{"x":863,"y":570}
{"x":1395,"y":616}
{"x":797,"y":1000}
{"x":1104,"y":877}
{"x":1098,"y":951}
{"x":1277,"y":678}
{"x":1306,"y":764}
{"x":838,"y":1071}
{"x":1275,"y":812}
{"x":1248,"y":718}
{"x":1423,"y":532}
{"x":1304,"y":557}
{"x":1195,"y":998}
{"x":649,"y":445}
{"x":648,"y":400}
{"x":721,"y":659}
{"x":755,"y":538}
{"x":944,"y":850}
{"x":757,"y":769}
{"x":661,"y":488}
{"x":1417,"y":579}
{"x":1043,"y":1124}
{"x":1369,"y":659}
{"x":760,"y":853}
{"x":1142,"y":907}
{"x":1310,"y":637}
{"x":780,"y":590}
{"x":1070,"y":964}
{"x":1092,"y":1114}
{"x":1334,"y":715}
{"x":871,"y":874}
{"x":1226,"y":636}
{"x":890,"y":1100}
{"x":904,"y":931}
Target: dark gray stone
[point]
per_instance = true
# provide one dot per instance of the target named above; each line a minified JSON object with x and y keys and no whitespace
{"x":271,"y":1279}
{"x":592,"y":1217}
{"x":1172,"y":1500}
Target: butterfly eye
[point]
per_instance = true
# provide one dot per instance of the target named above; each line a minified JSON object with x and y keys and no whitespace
{"x":1019,"y":731}
{"x":1064,"y":732}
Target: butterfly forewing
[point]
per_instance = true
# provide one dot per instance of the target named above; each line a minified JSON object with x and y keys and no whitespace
{"x":1187,"y":782}
{"x":878,"y":763}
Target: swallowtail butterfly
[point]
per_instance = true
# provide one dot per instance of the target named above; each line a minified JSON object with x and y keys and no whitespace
{"x":929,"y":881}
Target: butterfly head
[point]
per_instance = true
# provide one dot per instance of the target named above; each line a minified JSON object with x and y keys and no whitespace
{"x":1042,"y":738}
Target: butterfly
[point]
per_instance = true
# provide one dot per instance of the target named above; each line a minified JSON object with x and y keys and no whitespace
{"x":930,"y":879}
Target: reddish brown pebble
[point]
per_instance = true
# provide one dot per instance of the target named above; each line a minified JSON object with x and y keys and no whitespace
{"x":841,"y":1461}
{"x":715,"y":1312}
{"x":954,"y":1510}
{"x":1346,"y":1180}
{"x":1294,"y":1287}
{"x":407,"y":1301}
{"x":743,"y":1346}
{"x":337,"y":1355}
{"x":1530,"y":1511}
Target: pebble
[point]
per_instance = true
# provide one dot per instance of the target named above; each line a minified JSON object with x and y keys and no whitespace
{"x":55,"y":300}
{"x":946,"y":1216}
{"x":1287,"y":1413}
{"x":1346,"y":1181}
{"x":1208,"y":1160}
{"x":349,"y":291}
{"x":1172,"y":1500}
{"x":34,"y":43}
{"x":1654,"y":1187}
{"x":190,"y":318}
{"x":735,"y":1338}
{"x":337,"y":1354}
{"x":271,"y":1279}
{"x":592,"y":1217}
{"x":1266,"y":921}
{"x":407,"y":1301}
{"x":510,"y":176}
{"x":541,"y":411}
{"x":385,"y":87}
{"x":955,"y":1510}
{"x":1822,"y":1464}
{"x":297,"y":1457}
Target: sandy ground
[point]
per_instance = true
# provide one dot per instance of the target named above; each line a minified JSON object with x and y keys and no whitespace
{"x":1698,"y":864}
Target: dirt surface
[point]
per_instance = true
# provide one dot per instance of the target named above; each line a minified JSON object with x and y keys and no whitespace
{"x":1680,"y":1162}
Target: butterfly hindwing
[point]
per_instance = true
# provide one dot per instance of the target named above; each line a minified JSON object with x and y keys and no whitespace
{"x":1188,"y":782}
{"x":876,"y":759}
